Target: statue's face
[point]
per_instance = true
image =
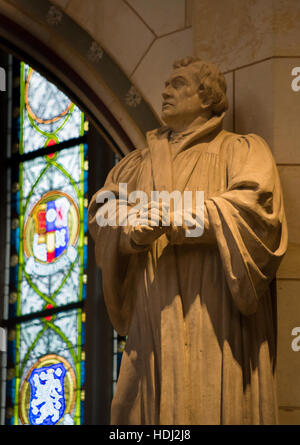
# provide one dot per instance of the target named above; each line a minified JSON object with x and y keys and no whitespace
{"x":181,"y":102}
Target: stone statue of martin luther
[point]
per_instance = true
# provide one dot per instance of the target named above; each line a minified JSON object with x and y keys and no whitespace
{"x":199,"y":313}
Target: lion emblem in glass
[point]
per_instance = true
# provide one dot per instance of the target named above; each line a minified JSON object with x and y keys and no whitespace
{"x":47,"y":400}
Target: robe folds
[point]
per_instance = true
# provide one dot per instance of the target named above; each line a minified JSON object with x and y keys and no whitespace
{"x":199,"y":313}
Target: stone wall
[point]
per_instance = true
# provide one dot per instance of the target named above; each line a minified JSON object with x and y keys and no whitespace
{"x":257,"y":44}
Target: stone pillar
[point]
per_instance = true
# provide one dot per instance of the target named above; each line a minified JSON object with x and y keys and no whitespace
{"x":257,"y":44}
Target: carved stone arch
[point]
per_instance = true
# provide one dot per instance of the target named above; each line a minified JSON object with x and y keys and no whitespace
{"x":67,"y":55}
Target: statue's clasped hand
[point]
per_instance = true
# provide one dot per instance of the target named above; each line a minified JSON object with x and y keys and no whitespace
{"x":149,"y":223}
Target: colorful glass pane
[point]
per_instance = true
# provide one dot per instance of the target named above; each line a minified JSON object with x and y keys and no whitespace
{"x":48,"y":114}
{"x":60,"y":337}
{"x":48,"y":260}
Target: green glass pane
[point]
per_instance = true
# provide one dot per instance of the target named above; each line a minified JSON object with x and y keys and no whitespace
{"x":45,"y":342}
{"x":47,"y":113}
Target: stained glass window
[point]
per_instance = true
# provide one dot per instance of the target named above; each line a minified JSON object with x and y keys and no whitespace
{"x":48,"y":255}
{"x":119,"y":342}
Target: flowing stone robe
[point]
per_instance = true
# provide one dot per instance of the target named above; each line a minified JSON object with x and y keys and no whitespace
{"x":200,"y":313}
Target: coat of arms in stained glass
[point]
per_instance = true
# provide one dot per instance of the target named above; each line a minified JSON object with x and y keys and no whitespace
{"x":47,"y":399}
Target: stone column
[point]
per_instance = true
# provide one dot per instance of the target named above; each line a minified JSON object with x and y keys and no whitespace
{"x":257,"y":45}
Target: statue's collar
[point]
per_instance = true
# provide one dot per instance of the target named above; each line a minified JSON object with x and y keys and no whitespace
{"x":196,"y":130}
{"x":161,"y":156}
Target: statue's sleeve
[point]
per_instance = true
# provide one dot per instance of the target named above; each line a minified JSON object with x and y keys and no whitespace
{"x":249,"y":222}
{"x":113,"y":249}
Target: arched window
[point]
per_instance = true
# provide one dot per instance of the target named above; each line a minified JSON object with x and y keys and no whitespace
{"x":47,"y":263}
{"x":48,"y":254}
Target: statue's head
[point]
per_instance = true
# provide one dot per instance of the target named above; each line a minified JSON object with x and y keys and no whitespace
{"x":195,"y":89}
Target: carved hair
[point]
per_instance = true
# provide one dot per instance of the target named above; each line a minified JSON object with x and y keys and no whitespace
{"x":212,"y":83}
